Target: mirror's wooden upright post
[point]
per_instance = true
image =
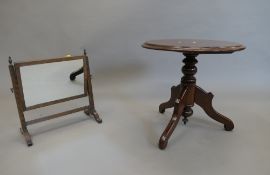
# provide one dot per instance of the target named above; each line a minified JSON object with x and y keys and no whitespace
{"x":19,"y":103}
{"x":88,"y":83}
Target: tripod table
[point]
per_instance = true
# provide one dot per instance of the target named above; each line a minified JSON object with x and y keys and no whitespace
{"x":187,"y":93}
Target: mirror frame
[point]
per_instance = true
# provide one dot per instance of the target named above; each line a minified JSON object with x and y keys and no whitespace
{"x":31,"y":63}
{"x":20,"y":100}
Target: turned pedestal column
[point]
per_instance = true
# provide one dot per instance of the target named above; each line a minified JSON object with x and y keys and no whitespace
{"x":187,"y":93}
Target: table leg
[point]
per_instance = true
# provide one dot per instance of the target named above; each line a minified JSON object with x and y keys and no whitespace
{"x":179,"y":106}
{"x":187,"y":94}
{"x":75,"y":73}
{"x":170,"y":103}
{"x":204,"y":100}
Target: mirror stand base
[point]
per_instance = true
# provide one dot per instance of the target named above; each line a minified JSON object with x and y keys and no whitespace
{"x":27,"y":136}
{"x":94,"y":113}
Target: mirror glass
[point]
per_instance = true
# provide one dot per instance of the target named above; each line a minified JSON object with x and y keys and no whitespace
{"x":50,"y":81}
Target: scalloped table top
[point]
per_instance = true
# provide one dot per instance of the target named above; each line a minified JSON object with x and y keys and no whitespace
{"x":195,"y":46}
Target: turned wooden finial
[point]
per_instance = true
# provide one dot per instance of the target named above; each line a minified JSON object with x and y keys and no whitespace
{"x":9,"y":60}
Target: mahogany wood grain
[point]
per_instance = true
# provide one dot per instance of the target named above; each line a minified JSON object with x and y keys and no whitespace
{"x":194,"y":46}
{"x":187,"y":93}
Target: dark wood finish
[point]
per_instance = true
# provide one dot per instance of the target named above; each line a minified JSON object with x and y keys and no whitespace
{"x":91,"y":109}
{"x":204,"y":100}
{"x":44,"y":61}
{"x":194,"y":46}
{"x":175,"y":90}
{"x":187,"y":93}
{"x":20,"y":87}
{"x":88,"y":85}
{"x":179,"y":106}
{"x":55,"y":102}
{"x":76,"y":73}
{"x":56,"y":115}
{"x":19,"y":96}
{"x":19,"y":103}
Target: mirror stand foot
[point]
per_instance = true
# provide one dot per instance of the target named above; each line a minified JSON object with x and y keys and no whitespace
{"x":94,"y":114}
{"x":27,"y":136}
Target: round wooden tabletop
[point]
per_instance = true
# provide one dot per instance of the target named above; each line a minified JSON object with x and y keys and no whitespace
{"x":194,"y":46}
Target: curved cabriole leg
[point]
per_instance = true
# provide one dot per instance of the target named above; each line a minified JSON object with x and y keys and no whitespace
{"x":73,"y":75}
{"x":94,"y":114}
{"x":179,"y":106}
{"x":27,"y":136}
{"x":170,"y":103}
{"x":178,"y":109}
{"x":204,"y":100}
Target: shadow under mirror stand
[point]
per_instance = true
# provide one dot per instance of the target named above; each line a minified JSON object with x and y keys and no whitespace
{"x":20,"y":89}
